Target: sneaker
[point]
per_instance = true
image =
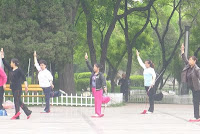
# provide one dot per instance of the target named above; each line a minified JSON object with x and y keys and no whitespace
{"x":194,"y":120}
{"x":45,"y":111}
{"x":29,"y":115}
{"x":16,"y":116}
{"x":61,"y":91}
{"x":148,"y":112}
{"x":97,"y":116}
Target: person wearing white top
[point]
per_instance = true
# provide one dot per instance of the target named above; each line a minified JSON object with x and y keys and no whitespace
{"x":149,"y":80}
{"x":45,"y":81}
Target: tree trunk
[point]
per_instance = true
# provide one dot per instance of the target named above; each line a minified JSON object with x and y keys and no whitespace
{"x":66,"y":78}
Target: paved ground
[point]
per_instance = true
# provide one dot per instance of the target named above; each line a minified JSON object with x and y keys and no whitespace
{"x":167,"y":119}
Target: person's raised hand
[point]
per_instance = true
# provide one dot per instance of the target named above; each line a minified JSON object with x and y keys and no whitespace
{"x":35,"y":54}
{"x":182,"y":48}
{"x":2,"y":53}
{"x":86,"y":56}
{"x":137,"y":53}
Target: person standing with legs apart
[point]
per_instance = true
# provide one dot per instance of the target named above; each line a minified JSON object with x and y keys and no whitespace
{"x":16,"y":76}
{"x":3,"y":80}
{"x":46,"y":82}
{"x":97,"y":84}
{"x":149,"y":80}
{"x":191,"y":75}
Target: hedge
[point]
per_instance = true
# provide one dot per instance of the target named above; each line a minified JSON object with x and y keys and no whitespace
{"x":136,"y":81}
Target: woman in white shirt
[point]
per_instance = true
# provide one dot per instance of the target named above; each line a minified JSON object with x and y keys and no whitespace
{"x":149,"y":80}
{"x":45,"y":81}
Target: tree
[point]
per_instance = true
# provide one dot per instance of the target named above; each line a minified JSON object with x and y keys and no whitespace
{"x":162,"y":29}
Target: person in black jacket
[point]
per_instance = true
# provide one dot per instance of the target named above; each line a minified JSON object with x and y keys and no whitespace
{"x":124,"y":87}
{"x":16,"y":76}
{"x":191,"y":75}
{"x":97,"y":84}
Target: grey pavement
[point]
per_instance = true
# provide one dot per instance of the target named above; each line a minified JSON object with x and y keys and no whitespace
{"x":167,"y":119}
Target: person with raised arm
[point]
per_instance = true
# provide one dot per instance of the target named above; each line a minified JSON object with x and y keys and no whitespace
{"x":97,"y":84}
{"x":46,"y":82}
{"x":16,"y":76}
{"x":149,"y":80}
{"x":191,"y":75}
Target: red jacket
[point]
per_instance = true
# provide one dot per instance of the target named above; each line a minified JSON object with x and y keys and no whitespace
{"x":3,"y":77}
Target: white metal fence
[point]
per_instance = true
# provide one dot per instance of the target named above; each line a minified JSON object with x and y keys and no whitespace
{"x":65,"y":100}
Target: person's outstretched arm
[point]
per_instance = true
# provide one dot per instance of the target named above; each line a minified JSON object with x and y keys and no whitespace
{"x":4,"y":61}
{"x":183,"y":54}
{"x":88,"y":64}
{"x":36,"y":62}
{"x":140,"y":60}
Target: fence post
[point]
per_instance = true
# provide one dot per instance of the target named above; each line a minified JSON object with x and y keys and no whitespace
{"x":86,"y":100}
{"x":71,"y":99}
{"x":33,"y":99}
{"x":27,"y":99}
{"x":81,"y":101}
{"x":91,"y":100}
{"x":62,"y":99}
{"x":76,"y":99}
{"x":37,"y":99}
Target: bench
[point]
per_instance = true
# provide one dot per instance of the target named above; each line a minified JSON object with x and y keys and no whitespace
{"x":32,"y":87}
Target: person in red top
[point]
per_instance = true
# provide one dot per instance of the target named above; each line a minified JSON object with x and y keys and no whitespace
{"x":3,"y":80}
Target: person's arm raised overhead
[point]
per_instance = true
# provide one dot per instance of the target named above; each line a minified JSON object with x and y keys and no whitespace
{"x":140,"y":60}
{"x":88,"y":64}
{"x":36,"y":62}
{"x":183,"y":54}
{"x":4,"y":61}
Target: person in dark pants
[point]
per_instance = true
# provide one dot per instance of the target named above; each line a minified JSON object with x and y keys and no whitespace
{"x":124,"y":88}
{"x":16,"y":76}
{"x":46,"y":82}
{"x":3,"y":80}
{"x":149,"y":80}
{"x":191,"y":75}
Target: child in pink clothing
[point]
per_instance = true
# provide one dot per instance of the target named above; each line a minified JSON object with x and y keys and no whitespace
{"x":3,"y":80}
{"x":97,"y":83}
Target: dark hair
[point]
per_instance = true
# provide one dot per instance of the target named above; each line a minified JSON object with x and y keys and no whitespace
{"x":15,"y":61}
{"x":194,"y":58}
{"x":150,"y":63}
{"x":43,"y":62}
{"x":98,"y":65}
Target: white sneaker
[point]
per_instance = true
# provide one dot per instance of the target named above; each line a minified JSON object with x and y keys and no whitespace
{"x":148,"y":112}
{"x":62,"y":91}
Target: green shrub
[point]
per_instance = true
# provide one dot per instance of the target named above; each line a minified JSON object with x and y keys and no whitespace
{"x":83,"y":75}
{"x":82,"y":84}
{"x":108,"y":85}
{"x":136,"y":81}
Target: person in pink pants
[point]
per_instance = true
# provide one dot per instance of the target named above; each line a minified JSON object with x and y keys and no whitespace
{"x":97,"y":83}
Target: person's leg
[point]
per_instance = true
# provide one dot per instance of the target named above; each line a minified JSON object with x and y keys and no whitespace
{"x":195,"y":104}
{"x":95,"y":100}
{"x":47,"y":98}
{"x":1,"y":97}
{"x":98,"y":101}
{"x":105,"y":99}
{"x":16,"y":95}
{"x":151,"y":100}
{"x":23,"y":106}
{"x":55,"y":94}
{"x":126,"y":95}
